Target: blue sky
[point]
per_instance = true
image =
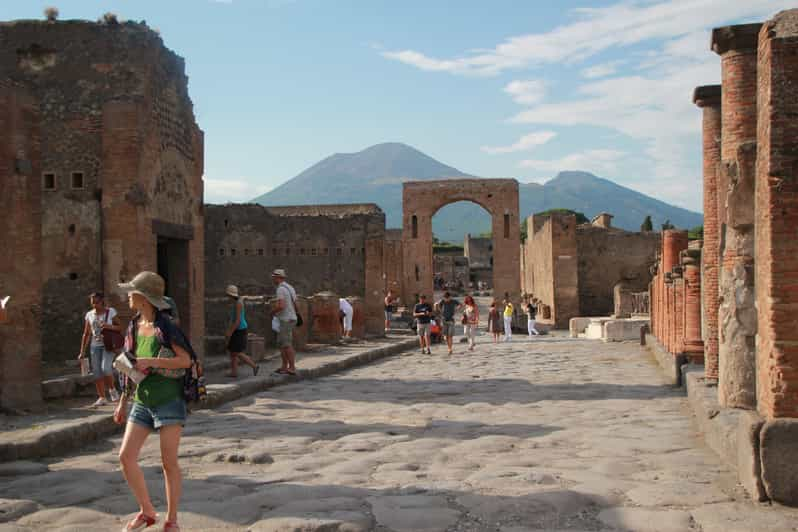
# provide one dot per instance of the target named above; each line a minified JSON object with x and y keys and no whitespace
{"x":496,"y":88}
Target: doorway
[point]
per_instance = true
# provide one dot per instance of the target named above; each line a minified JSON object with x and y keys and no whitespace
{"x":173,"y":266}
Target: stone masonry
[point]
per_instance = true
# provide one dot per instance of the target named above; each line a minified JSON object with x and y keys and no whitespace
{"x":120,"y":168}
{"x":737,"y":46}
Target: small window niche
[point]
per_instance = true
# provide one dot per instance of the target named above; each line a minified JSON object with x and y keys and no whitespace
{"x":77,"y":181}
{"x":48,"y":181}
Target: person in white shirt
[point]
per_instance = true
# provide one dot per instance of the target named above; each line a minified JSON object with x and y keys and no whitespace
{"x":285,"y":311}
{"x":347,"y":312}
{"x":96,"y":320}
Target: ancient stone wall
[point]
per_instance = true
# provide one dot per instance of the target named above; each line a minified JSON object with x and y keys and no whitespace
{"x":20,"y":240}
{"x":479,"y":251}
{"x":392,"y":262}
{"x":121,"y":167}
{"x":322,"y":248}
{"x":608,"y":256}
{"x":550,"y":259}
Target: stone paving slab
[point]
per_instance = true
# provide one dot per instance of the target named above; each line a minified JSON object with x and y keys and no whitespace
{"x":71,"y":424}
{"x":536,"y":434}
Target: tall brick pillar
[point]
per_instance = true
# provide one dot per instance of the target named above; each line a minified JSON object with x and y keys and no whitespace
{"x":669,"y":304}
{"x":777,"y":218}
{"x":674,"y":241}
{"x":678,"y":312}
{"x":737,"y":46}
{"x":693,"y":344}
{"x":708,"y":98}
{"x":21,"y":259}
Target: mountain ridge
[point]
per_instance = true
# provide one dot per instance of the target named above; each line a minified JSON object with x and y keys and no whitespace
{"x":375,"y":175}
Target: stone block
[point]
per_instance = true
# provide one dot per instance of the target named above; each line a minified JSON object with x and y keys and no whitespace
{"x":577,"y":326}
{"x":325,"y":321}
{"x":778,"y":447}
{"x":622,"y":330}
{"x":358,"y":317}
{"x":595,"y":329}
{"x":749,"y":469}
{"x":256,"y":347}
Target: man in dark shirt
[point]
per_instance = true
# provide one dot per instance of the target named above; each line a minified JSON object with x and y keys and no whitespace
{"x":448,"y":307}
{"x":423,"y":314}
{"x":531,"y":311}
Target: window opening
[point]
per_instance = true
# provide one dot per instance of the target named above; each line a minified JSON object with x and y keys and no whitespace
{"x":506,"y":226}
{"x":414,"y":223}
{"x":77,"y":179}
{"x":48,"y":181}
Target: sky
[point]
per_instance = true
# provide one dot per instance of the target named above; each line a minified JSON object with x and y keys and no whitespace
{"x":499,"y":88}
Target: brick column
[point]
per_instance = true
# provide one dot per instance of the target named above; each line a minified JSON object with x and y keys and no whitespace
{"x":674,"y":241}
{"x":777,"y":219}
{"x":693,"y":345}
{"x":668,"y":332}
{"x":678,"y":312}
{"x":708,"y":98}
{"x":737,"y":46}
{"x":325,"y":322}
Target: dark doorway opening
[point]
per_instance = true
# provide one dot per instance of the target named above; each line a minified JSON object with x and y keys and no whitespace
{"x":173,"y":266}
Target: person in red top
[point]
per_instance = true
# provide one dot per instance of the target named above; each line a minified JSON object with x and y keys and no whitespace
{"x":471,"y":321}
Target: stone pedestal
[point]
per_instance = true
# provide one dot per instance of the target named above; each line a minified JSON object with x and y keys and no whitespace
{"x":623,"y":300}
{"x":359,"y":317}
{"x":693,"y":344}
{"x":325,"y":322}
{"x":301,"y":334}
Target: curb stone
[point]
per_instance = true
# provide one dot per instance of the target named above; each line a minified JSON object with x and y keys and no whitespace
{"x":73,"y":435}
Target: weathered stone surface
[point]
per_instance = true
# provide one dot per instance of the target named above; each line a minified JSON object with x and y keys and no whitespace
{"x":12,"y":509}
{"x":644,"y":520}
{"x":744,"y":517}
{"x":414,"y":513}
{"x":749,"y":466}
{"x":778,"y":447}
{"x":22,"y":468}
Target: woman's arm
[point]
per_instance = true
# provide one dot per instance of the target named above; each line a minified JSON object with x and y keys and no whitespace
{"x":85,"y":339}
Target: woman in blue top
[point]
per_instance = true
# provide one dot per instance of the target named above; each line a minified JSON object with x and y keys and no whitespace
{"x":236,"y":336}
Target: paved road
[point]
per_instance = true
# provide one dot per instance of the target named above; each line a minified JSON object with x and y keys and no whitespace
{"x":543,"y":434}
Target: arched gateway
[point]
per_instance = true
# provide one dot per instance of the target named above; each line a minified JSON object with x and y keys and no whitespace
{"x":422,"y":199}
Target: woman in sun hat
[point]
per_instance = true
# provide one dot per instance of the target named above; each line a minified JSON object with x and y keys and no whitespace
{"x":158,"y":402}
{"x":236,"y":335}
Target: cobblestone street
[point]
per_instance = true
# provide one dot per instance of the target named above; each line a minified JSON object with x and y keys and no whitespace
{"x":540,"y":434}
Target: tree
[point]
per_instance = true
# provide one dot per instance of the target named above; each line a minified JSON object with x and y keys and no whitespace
{"x":696,"y":233}
{"x":667,"y":225}
{"x":647,"y":226}
{"x":580,"y":217}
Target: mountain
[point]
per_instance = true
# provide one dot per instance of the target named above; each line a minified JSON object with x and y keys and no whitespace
{"x":375,"y":175}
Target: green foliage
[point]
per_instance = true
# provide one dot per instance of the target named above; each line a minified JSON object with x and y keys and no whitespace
{"x":696,"y":233}
{"x":647,"y":226}
{"x":580,"y":217}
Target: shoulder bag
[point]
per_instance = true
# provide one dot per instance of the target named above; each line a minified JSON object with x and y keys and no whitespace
{"x":112,"y":340}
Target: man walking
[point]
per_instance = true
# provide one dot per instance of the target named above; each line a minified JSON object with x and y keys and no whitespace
{"x":285,"y":311}
{"x":508,"y":319}
{"x":448,"y":307}
{"x":423,"y":314}
{"x":531,"y":312}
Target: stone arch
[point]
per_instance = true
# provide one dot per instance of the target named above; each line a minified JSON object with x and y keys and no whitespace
{"x":422,"y":199}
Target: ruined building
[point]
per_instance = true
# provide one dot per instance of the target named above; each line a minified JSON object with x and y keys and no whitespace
{"x":323,"y":248}
{"x":479,"y":252}
{"x":572,"y":269}
{"x":733,"y":303}
{"x":101,"y":168}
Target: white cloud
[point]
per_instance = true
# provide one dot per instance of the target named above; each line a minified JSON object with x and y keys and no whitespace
{"x":596,"y":30}
{"x":601,"y":162}
{"x":526,"y":92}
{"x":601,"y":70}
{"x":525,"y":143}
{"x":230,"y":190}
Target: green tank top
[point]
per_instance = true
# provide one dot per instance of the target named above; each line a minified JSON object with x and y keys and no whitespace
{"x":155,"y":390}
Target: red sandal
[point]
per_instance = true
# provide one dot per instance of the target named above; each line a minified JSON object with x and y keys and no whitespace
{"x":140,"y":522}
{"x":171,"y":526}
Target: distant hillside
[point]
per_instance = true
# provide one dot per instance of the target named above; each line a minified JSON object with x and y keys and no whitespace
{"x":376,"y":175}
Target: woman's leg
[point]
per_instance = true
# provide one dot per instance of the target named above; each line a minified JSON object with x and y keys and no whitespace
{"x":530,"y":325}
{"x":170,"y":441}
{"x":248,"y":361}
{"x":135,"y":435}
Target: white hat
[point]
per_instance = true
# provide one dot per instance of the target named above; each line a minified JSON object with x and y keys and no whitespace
{"x":231,"y":290}
{"x":151,"y":286}
{"x":279,"y":272}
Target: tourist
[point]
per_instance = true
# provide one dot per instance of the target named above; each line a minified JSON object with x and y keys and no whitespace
{"x":388,"y":302}
{"x":236,"y":335}
{"x":285,"y":311}
{"x":448,"y":307}
{"x":508,"y":319}
{"x":422,"y":312}
{"x":100,"y":318}
{"x":531,"y":311}
{"x":346,"y":313}
{"x":471,"y":321}
{"x":158,"y":402}
{"x":494,"y":322}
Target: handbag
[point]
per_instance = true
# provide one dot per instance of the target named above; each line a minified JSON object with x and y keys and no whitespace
{"x":112,"y":340}
{"x":464,"y":320}
{"x":166,"y":352}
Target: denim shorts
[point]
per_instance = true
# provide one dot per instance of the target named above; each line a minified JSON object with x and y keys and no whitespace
{"x":153,"y":418}
{"x":101,"y":361}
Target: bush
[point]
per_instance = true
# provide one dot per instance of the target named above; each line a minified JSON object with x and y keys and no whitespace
{"x":51,"y":13}
{"x":110,"y":18}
